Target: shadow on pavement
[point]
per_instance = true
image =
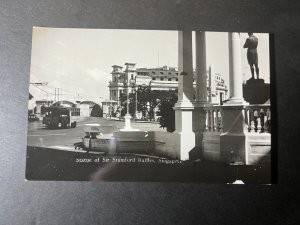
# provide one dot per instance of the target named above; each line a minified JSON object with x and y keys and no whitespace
{"x":52,"y":164}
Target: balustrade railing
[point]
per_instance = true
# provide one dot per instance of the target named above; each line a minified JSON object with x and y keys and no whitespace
{"x":214,"y":122}
{"x":258,"y":118}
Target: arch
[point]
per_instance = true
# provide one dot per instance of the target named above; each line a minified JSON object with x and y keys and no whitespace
{"x":95,"y":109}
{"x":64,"y":102}
{"x":91,"y":103}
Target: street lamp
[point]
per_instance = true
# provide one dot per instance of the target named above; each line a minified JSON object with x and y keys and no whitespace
{"x":148,"y":110}
{"x":127,"y":116}
{"x":134,"y":86}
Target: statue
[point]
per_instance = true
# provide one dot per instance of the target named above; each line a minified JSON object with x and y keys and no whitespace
{"x":251,"y":43}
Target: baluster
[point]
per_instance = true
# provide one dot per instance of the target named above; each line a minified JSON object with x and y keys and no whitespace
{"x":212,"y":120}
{"x":251,"y":121}
{"x":246,"y":119}
{"x":259,"y":127}
{"x":255,"y":117}
{"x":252,"y":127}
{"x":215,"y":116}
{"x":206,"y":120}
{"x":221,"y":120}
{"x":218,"y":120}
{"x":262,"y":120}
{"x":268,"y":114}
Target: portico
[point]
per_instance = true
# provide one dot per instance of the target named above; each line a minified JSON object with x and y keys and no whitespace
{"x":219,"y":133}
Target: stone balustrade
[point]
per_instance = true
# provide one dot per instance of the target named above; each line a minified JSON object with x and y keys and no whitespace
{"x":254,"y":128}
{"x":214,"y":121}
{"x":258,"y":118}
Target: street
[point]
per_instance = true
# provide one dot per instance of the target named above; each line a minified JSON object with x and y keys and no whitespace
{"x":64,"y":139}
{"x":51,"y":156}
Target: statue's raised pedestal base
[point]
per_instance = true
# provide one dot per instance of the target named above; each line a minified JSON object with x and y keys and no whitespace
{"x":128,"y":124}
{"x":256,"y":91}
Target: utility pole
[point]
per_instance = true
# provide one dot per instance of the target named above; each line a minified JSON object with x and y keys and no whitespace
{"x":135,"y":103}
{"x":55,"y":95}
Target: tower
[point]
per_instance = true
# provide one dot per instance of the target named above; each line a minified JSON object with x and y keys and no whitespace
{"x":114,"y":87}
{"x":130,"y":74}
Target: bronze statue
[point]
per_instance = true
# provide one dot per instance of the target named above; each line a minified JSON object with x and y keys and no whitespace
{"x":251,"y":43}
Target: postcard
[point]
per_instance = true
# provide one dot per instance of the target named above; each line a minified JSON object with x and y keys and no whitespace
{"x":149,"y":106}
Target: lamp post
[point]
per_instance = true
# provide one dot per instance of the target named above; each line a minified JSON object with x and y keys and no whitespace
{"x":136,"y":103}
{"x":148,"y":110}
{"x":127,"y":93}
{"x":127,"y":116}
{"x":135,"y":89}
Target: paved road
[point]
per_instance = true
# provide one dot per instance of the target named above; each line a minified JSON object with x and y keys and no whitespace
{"x":51,"y":156}
{"x":64,"y":139}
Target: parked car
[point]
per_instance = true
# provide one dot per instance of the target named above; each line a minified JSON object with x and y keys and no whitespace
{"x":32,"y":118}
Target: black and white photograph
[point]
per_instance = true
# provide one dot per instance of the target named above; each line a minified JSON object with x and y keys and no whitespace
{"x":149,"y":105}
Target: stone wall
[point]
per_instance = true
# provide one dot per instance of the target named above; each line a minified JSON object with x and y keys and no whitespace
{"x":211,"y":146}
{"x":165,"y":144}
{"x":258,"y":149}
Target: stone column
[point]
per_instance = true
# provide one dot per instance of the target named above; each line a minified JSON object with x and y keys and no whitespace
{"x":184,"y":137}
{"x":201,"y":73}
{"x":233,"y":142}
{"x":185,"y":64}
{"x":235,"y":69}
{"x":199,"y":115}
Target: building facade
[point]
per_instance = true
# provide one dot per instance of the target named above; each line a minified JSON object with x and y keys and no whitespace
{"x":163,"y":78}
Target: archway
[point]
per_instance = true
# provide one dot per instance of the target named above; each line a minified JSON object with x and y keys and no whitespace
{"x":90,"y":108}
{"x":64,"y":103}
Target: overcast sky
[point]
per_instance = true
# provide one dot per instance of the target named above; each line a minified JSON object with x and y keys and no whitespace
{"x":78,"y":61}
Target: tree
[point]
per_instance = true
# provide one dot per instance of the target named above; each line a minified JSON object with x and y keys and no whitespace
{"x":166,"y":111}
{"x":96,"y":111}
{"x":148,"y":100}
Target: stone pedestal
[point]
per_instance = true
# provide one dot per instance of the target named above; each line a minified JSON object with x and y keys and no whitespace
{"x":184,"y":135}
{"x":233,"y":145}
{"x":256,"y":91}
{"x":128,"y":124}
{"x":198,"y":121}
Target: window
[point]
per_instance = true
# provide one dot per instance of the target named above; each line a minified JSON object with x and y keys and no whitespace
{"x":176,"y":79}
{"x":161,"y":72}
{"x":169,"y":79}
{"x":131,"y":76}
{"x":153,"y":78}
{"x":161,"y":78}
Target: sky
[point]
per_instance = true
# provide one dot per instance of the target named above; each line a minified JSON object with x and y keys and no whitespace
{"x":78,"y":61}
